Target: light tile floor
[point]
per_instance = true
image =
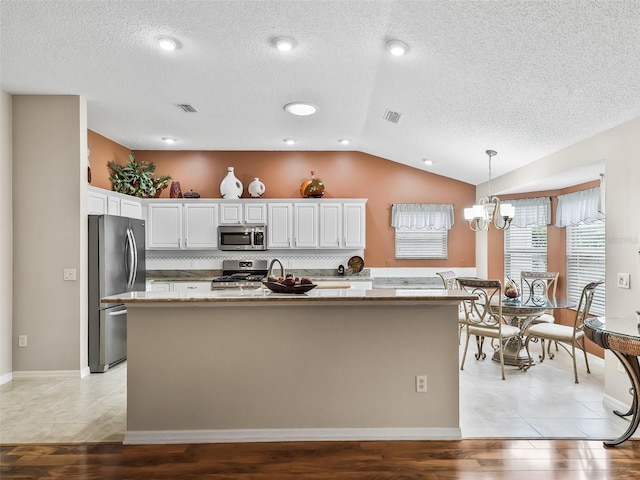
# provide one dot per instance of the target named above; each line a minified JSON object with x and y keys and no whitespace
{"x":543,"y":402}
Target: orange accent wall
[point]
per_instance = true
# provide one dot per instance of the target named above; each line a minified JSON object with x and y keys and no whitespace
{"x":344,"y":174}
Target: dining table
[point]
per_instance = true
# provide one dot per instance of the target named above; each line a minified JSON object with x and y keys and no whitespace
{"x":622,"y":338}
{"x":520,"y":312}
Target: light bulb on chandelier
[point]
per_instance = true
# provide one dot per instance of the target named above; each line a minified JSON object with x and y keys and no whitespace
{"x":489,"y":209}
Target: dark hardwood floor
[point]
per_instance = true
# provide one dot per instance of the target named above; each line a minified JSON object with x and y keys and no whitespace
{"x":403,"y":460}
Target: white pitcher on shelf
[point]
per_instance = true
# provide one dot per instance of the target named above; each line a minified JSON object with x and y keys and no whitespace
{"x":256,"y":188}
{"x":230,"y":187}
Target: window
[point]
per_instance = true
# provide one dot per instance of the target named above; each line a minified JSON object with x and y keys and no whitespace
{"x":586,"y":261}
{"x":525,"y":242}
{"x":421,"y":229}
{"x":525,"y":249}
{"x":421,"y":243}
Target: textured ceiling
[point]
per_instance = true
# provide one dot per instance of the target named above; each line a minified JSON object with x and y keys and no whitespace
{"x":525,"y":78}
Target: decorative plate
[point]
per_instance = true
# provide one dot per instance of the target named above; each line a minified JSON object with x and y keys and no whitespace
{"x":280,"y":288}
{"x":356,"y":264}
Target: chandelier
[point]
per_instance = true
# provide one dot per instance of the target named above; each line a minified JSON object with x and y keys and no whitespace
{"x":489,"y":209}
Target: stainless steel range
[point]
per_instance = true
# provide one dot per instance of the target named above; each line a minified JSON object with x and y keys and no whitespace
{"x":238,"y":274}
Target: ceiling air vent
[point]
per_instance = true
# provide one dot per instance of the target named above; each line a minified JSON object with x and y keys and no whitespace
{"x":185,"y":107}
{"x":393,"y":117}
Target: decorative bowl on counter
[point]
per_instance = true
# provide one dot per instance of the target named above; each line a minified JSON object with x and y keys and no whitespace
{"x":280,"y":288}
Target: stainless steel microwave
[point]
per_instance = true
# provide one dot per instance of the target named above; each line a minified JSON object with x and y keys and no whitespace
{"x":242,"y":237}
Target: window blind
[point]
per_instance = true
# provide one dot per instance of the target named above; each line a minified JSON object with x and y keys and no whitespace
{"x":525,"y":249}
{"x":586,"y":262}
{"x":525,"y":243}
{"x":420,"y":243}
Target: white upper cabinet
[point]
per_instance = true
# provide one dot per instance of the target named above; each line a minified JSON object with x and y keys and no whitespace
{"x":279,"y":225}
{"x":98,"y":202}
{"x":330,"y":225}
{"x":342,"y":225}
{"x":231,"y":213}
{"x":255,"y":213}
{"x":106,"y":202}
{"x":305,"y":225}
{"x":164,"y":226}
{"x":354,"y":225}
{"x":201,"y":225}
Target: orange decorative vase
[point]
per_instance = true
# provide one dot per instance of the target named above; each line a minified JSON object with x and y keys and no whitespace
{"x":313,"y":187}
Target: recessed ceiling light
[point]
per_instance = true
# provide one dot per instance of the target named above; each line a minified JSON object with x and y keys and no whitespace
{"x":169,"y":140}
{"x":397,"y":47}
{"x":300,"y":108}
{"x":284,"y":44}
{"x":289,"y":141}
{"x":167,"y":43}
{"x":427,"y":161}
{"x":344,"y":141}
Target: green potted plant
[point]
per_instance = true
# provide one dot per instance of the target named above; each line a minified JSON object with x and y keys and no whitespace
{"x":136,"y":179}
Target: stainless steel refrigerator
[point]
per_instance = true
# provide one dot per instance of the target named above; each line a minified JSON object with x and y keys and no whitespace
{"x":116,"y":265}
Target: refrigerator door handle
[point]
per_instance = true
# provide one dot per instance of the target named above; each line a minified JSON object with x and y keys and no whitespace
{"x":120,"y":312}
{"x":130,"y":251}
{"x":135,"y":258}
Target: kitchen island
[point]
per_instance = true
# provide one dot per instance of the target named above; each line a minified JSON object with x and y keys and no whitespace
{"x":252,"y":365}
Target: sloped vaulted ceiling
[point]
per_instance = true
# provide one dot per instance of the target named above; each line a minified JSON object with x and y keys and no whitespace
{"x":526,"y":78}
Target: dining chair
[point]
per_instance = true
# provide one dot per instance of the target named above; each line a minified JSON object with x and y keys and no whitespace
{"x":483,"y":317}
{"x":564,"y":335}
{"x":540,"y":284}
{"x":450,"y":282}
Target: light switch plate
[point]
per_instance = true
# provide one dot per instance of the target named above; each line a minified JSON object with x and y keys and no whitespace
{"x":623,"y":280}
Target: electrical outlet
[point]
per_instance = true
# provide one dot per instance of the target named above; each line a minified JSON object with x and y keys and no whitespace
{"x":623,"y":280}
{"x":69,"y":274}
{"x":421,"y":383}
{"x":22,"y":340}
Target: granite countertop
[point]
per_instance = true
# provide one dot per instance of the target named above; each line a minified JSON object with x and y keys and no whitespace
{"x":264,"y":295}
{"x":208,"y":275}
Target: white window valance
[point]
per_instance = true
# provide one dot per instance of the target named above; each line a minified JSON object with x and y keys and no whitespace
{"x":429,"y":216}
{"x":531,"y":211}
{"x":578,"y":207}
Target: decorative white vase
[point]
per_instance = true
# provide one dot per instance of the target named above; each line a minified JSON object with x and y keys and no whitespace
{"x":256,"y":188}
{"x":230,"y":187}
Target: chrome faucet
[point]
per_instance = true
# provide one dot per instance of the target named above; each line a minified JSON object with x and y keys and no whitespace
{"x":275,"y":260}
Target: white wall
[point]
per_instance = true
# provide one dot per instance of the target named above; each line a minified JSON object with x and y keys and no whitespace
{"x":49,"y":211}
{"x":6,"y":240}
{"x":620,"y":149}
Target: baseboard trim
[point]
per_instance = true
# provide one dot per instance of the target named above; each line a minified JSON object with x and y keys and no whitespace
{"x":614,"y":403}
{"x":6,"y":378}
{"x":288,"y":435}
{"x":48,"y":374}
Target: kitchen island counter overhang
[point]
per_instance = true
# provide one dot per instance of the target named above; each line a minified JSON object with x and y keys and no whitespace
{"x":233,"y":366}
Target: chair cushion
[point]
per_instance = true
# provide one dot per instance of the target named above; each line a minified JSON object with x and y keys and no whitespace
{"x":553,"y":331}
{"x":544,"y":318}
{"x":508,"y":331}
